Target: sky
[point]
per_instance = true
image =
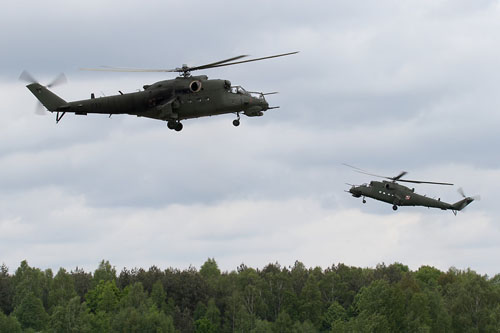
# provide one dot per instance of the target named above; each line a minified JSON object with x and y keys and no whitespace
{"x":384,"y":85}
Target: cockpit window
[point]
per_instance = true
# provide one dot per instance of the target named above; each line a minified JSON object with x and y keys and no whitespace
{"x":238,"y":90}
{"x":241,"y":91}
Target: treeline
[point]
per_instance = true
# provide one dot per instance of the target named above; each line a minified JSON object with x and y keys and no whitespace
{"x":273,"y":299}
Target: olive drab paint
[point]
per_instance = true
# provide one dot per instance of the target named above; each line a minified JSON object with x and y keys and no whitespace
{"x":185,"y":97}
{"x":400,"y":195}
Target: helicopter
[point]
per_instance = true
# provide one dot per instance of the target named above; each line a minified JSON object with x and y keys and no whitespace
{"x":184,"y":97}
{"x":399,"y":195}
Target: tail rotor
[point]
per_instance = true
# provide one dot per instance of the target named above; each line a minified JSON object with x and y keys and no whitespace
{"x":27,"y":77}
{"x":462,"y":193}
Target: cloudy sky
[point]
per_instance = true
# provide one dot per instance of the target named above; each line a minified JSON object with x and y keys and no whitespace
{"x":385,"y":85}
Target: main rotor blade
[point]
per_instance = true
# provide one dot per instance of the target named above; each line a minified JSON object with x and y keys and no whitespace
{"x":257,"y":59}
{"x":422,"y":182}
{"x":157,"y":70}
{"x":122,"y":69}
{"x":399,"y":176}
{"x":215,"y":64}
{"x":365,"y":172}
{"x":184,"y":69}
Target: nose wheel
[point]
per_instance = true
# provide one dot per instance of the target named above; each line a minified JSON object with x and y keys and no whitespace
{"x":364,"y":200}
{"x":394,"y":207}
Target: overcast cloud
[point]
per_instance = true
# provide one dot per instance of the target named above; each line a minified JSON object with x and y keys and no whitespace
{"x":384,"y":85}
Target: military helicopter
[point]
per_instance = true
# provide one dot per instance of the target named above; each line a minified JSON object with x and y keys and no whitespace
{"x":184,"y":97}
{"x":399,"y":195}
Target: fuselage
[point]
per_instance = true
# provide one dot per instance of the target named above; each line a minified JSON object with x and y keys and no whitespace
{"x":177,"y":99}
{"x":396,"y":194}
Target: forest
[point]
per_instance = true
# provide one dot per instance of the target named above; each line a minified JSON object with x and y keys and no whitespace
{"x":339,"y":298}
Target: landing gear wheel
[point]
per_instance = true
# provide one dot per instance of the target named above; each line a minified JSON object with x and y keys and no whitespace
{"x":394,"y":207}
{"x":171,"y":124}
{"x":178,"y":127}
{"x":364,"y":201}
{"x":236,"y":122}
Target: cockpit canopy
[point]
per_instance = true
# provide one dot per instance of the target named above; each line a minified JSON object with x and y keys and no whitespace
{"x":241,"y":91}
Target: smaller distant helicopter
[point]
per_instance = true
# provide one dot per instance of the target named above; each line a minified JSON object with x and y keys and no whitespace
{"x":400,"y":195}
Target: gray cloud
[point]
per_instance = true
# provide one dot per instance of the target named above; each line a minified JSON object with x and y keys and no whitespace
{"x":385,"y":86}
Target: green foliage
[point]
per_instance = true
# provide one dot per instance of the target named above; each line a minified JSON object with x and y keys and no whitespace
{"x":159,"y":297}
{"x":30,"y":312}
{"x":104,"y":297}
{"x":275,"y":299}
{"x":82,"y":282}
{"x":62,"y":290}
{"x":105,"y":272}
{"x":131,"y":319}
{"x":262,"y":326}
{"x":284,"y":323}
{"x":6,"y":290}
{"x":209,"y":270}
{"x":428,"y":275}
{"x":334,"y":313}
{"x":28,"y":280}
{"x":471,"y":300}
{"x":9,"y":324}
{"x":204,"y":325}
{"x":72,"y":317}
{"x":382,"y":300}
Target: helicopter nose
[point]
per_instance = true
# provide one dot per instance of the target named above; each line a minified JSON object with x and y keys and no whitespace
{"x":265,"y":106}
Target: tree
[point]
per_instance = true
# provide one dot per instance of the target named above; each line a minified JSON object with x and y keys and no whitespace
{"x":62,"y":290}
{"x":134,"y":296}
{"x":6,"y":290}
{"x":304,"y":327}
{"x":82,"y":282}
{"x":250,"y":285}
{"x":9,"y":324}
{"x":30,"y":313}
{"x":471,"y":301}
{"x":105,"y":272}
{"x":213,"y":314}
{"x":159,"y":297}
{"x":363,"y":323}
{"x":262,"y":326}
{"x":310,"y":305}
{"x":72,"y":317}
{"x":335,"y":312}
{"x":276,"y":287}
{"x":204,"y":325}
{"x":428,"y":275}
{"x":383,"y":300}
{"x":104,"y":297}
{"x":210,"y":270}
{"x":28,"y":280}
{"x":284,"y":323}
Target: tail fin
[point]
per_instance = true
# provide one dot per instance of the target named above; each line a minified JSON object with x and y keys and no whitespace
{"x":50,"y":100}
{"x":461,"y":204}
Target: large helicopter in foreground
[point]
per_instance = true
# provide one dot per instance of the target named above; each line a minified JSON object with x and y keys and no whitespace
{"x":184,"y":97}
{"x":399,"y":195}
